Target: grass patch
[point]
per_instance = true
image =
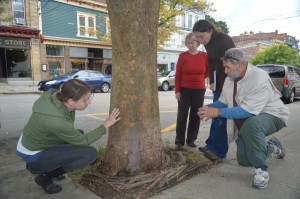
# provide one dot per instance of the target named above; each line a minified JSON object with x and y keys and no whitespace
{"x":78,"y":173}
{"x":195,"y":158}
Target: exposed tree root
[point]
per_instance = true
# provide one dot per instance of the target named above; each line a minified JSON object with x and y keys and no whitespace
{"x":176,"y":168}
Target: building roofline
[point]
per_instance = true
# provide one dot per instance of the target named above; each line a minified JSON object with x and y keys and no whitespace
{"x":77,"y":43}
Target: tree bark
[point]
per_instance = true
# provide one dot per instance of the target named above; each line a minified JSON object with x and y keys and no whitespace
{"x":134,"y":143}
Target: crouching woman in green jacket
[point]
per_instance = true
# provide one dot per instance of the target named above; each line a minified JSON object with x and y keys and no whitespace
{"x":49,"y":144}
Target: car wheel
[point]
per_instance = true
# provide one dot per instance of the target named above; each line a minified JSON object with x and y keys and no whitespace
{"x":291,"y":98}
{"x":165,"y":86}
{"x":104,"y":88}
{"x":60,"y":86}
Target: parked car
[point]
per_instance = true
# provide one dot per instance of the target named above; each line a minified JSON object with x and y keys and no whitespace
{"x":166,"y":80}
{"x":94,"y":79}
{"x":286,"y":79}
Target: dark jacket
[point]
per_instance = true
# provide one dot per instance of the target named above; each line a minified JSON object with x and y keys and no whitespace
{"x":218,"y":44}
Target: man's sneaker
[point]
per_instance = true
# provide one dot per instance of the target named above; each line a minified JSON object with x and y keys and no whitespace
{"x":277,"y":148}
{"x":260,"y":179}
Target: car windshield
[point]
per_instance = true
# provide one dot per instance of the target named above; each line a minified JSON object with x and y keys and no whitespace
{"x":273,"y":71}
{"x":163,"y":74}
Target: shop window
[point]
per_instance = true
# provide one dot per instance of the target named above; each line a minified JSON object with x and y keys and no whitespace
{"x":79,"y":65}
{"x":172,"y":66}
{"x":108,"y":69}
{"x":18,"y":12}
{"x":55,"y":69}
{"x":54,"y":50}
{"x":18,"y":63}
{"x":86,"y":24}
{"x":94,"y":52}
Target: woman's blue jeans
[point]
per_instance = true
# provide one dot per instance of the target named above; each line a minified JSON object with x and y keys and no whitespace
{"x":217,"y":141}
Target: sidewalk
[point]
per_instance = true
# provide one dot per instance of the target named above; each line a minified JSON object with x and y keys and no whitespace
{"x":9,"y":89}
{"x":227,"y":180}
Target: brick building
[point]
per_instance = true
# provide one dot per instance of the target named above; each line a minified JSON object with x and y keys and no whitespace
{"x":19,"y":42}
{"x":252,"y":43}
{"x":42,"y":39}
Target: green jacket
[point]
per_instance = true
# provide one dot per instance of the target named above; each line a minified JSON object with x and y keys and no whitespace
{"x":52,"y":124}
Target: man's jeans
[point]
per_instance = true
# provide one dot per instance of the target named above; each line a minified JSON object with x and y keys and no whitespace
{"x":252,"y":149}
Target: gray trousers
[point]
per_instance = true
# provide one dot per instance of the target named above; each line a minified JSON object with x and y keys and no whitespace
{"x":65,"y":156}
{"x":252,"y":149}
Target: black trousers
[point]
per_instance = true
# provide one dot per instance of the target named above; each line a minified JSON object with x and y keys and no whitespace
{"x":191,"y":101}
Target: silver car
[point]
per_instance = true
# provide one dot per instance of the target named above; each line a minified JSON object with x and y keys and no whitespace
{"x":166,"y":80}
{"x":286,"y":79}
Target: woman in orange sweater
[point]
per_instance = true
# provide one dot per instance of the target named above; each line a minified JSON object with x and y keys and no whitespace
{"x":191,"y":71}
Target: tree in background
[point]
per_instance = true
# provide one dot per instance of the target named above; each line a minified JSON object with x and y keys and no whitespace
{"x":169,"y":9}
{"x":277,"y":54}
{"x":134,"y":143}
{"x":220,"y":25}
{"x":4,"y":16}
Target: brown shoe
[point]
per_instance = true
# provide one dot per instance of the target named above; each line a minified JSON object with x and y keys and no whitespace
{"x":203,"y":149}
{"x":209,"y":154}
{"x":191,"y":144}
{"x":178,"y":147}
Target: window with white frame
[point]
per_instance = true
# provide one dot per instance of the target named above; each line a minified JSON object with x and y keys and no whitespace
{"x":183,"y":24}
{"x":86,"y":24}
{"x":18,"y":12}
{"x":190,"y":21}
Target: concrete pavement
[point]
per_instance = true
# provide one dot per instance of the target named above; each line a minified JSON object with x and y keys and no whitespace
{"x":226,"y":180}
{"x":17,"y":89}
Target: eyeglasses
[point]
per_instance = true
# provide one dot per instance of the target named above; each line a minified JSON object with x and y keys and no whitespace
{"x":230,"y":57}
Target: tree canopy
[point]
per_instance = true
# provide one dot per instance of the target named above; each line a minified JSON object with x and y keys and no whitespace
{"x":277,"y":54}
{"x":220,"y":25}
{"x":169,"y":9}
{"x":3,"y":14}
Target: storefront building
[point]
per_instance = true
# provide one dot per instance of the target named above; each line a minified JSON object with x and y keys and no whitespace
{"x":19,"y":43}
{"x":70,"y":37}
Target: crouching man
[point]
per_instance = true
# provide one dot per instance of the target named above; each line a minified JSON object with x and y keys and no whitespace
{"x":250,"y":99}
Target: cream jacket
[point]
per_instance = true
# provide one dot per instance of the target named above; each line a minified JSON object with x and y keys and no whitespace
{"x":256,"y":94}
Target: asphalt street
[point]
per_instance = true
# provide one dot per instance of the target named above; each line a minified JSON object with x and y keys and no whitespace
{"x":227,"y":180}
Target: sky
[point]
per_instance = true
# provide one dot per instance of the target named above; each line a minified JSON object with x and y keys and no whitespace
{"x":259,"y":15}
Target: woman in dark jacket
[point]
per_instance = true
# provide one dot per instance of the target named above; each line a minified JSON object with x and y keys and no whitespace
{"x":215,"y":43}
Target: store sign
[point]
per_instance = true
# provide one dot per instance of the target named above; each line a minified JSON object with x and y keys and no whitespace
{"x":8,"y":42}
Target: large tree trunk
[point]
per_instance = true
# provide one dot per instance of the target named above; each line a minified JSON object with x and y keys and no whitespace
{"x":134,"y":143}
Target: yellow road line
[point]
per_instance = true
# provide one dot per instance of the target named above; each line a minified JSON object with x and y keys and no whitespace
{"x":95,"y":114}
{"x":169,"y":128}
{"x":168,"y":106}
{"x":106,"y":113}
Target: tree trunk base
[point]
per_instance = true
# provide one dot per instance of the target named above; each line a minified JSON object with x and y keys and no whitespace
{"x":179,"y":166}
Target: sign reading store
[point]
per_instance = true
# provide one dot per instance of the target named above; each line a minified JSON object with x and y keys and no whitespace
{"x":8,"y":42}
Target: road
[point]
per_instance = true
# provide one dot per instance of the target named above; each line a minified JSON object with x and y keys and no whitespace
{"x":16,"y":182}
{"x":15,"y":111}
